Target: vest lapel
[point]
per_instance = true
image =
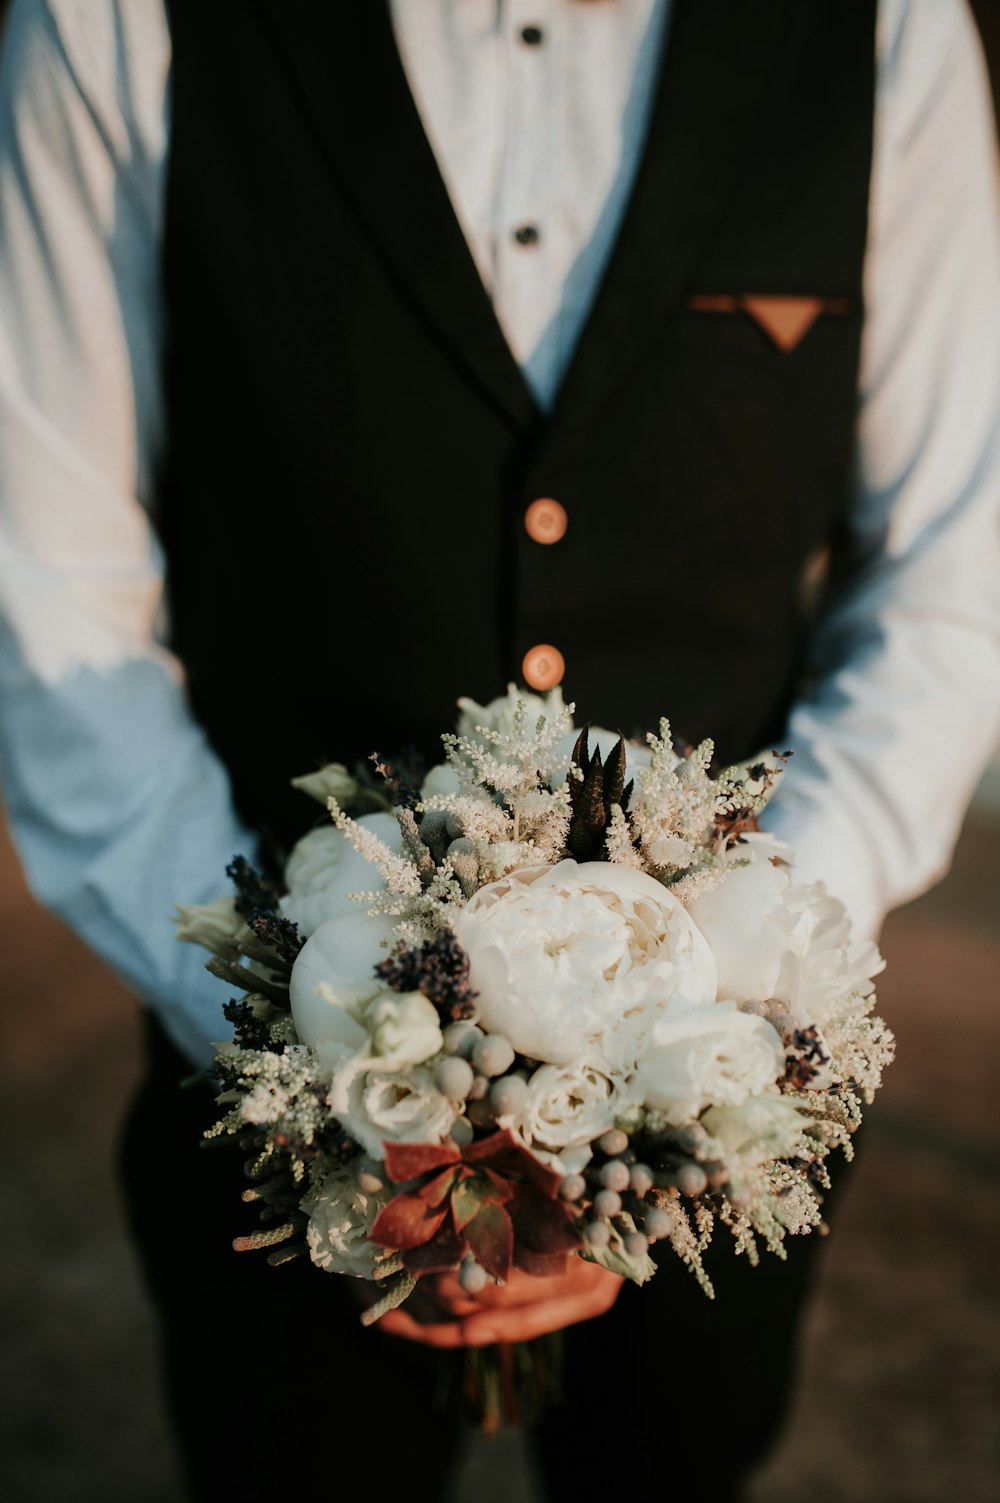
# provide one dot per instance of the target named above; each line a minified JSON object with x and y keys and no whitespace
{"x":345,"y":67}
{"x":718,"y":56}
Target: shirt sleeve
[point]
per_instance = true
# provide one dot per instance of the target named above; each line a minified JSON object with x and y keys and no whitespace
{"x":117,"y":804}
{"x":903,"y":712}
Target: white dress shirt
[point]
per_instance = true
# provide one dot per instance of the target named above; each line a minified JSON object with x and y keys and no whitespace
{"x":117,"y":803}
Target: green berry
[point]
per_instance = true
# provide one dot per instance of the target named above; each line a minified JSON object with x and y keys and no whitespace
{"x":614,"y":1175}
{"x":572,"y":1187}
{"x":462,"y":1037}
{"x":492,"y":1055}
{"x":453,"y":1077}
{"x":508,"y":1095}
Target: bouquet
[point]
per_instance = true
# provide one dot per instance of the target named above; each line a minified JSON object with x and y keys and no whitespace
{"x":558,"y":995}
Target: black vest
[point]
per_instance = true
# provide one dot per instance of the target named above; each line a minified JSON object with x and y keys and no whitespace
{"x":352,"y":446}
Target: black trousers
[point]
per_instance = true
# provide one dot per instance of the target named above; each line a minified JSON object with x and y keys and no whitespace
{"x":276,"y":1389}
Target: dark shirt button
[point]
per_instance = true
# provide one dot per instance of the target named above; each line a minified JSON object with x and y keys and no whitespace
{"x":526,"y":234}
{"x":532,"y":36}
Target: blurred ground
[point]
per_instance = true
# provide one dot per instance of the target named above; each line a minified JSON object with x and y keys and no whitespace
{"x":900,"y":1393}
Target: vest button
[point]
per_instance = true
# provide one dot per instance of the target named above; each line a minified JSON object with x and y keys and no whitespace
{"x":545,"y":520}
{"x":527,"y":234}
{"x":543,"y":666}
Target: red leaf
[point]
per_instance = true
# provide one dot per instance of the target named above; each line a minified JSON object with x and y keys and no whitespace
{"x":505,"y":1153}
{"x":543,"y":1226}
{"x":434,"y":1192}
{"x":491,"y":1238}
{"x":441,"y":1254}
{"x":411,"y":1160}
{"x":406,"y":1221}
{"x":465,"y":1204}
{"x":486,"y":1148}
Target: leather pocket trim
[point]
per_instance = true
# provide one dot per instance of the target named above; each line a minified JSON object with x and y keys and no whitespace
{"x":785,"y":320}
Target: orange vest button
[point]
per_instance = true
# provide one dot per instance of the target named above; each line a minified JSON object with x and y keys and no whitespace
{"x":543,"y":666}
{"x":545,"y":520}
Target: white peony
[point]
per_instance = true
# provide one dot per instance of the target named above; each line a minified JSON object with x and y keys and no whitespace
{"x":753,"y":932}
{"x":563,"y":956}
{"x":773,"y":937}
{"x":567,"y":1107}
{"x":334,"y":976}
{"x":324,"y":869}
{"x":341,"y":1215}
{"x":698,"y":1056}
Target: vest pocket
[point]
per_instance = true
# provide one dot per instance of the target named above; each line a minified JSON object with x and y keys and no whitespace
{"x":786,"y":320}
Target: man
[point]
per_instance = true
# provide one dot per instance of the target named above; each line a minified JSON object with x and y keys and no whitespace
{"x":651,"y":348}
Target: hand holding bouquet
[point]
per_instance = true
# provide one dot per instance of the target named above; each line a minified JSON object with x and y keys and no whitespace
{"x":563,"y":997}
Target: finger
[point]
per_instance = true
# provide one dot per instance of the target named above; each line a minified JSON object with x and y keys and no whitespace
{"x":427,"y":1306}
{"x":527,"y":1289}
{"x":399,"y":1323}
{"x":525,"y":1322}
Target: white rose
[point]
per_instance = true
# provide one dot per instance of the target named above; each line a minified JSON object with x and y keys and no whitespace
{"x":334,"y":976}
{"x":562,"y":956}
{"x":567,"y":1107}
{"x":404,"y":1029}
{"x":699,"y":1056}
{"x":377,"y":1108}
{"x":378,"y":1090}
{"x":758,"y":1129}
{"x":324,"y":869}
{"x":341,"y":1215}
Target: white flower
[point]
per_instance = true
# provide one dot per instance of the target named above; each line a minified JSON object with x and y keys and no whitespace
{"x":400,"y":1108}
{"x":758,"y":1129}
{"x":773,"y":937}
{"x":404,"y":1030}
{"x":331,"y":781}
{"x":563,"y":956}
{"x":499,"y":714}
{"x":567,"y":1107}
{"x":324,"y":869}
{"x":442,"y":780}
{"x":698,"y":1056}
{"x":379,"y":1090}
{"x":753,"y":932}
{"x":265,"y":1103}
{"x":341,"y":1215}
{"x":334,"y":976}
{"x":217,"y":926}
